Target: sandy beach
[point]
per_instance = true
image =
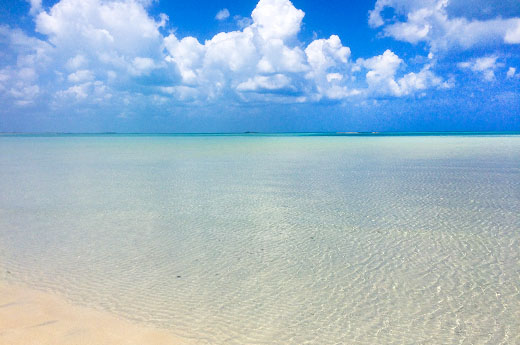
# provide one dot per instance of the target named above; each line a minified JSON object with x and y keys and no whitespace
{"x":30,"y":317}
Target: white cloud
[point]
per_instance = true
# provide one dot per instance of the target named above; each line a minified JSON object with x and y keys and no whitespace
{"x":113,"y":51}
{"x":20,"y":80}
{"x":256,"y":58}
{"x":381,"y":73}
{"x":323,"y":54}
{"x":513,"y":33}
{"x":277,"y":57}
{"x":96,"y":91}
{"x":142,"y":65}
{"x":79,"y":92}
{"x":187,"y":54}
{"x":24,"y":94}
{"x":424,"y":79}
{"x":80,"y":76}
{"x":428,"y":21}
{"x":222,"y":14}
{"x":485,"y":66}
{"x":381,"y":76}
{"x":181,"y":93}
{"x":511,"y":72}
{"x":232,"y":51}
{"x":242,"y":22}
{"x":119,"y":28}
{"x":76,"y":62}
{"x":277,"y":19}
{"x":36,"y":6}
{"x":95,"y":41}
{"x":26,"y":74}
{"x":328,"y":61}
{"x":265,"y":83}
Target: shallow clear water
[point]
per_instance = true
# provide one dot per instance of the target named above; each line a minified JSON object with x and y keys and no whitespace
{"x":273,"y":239}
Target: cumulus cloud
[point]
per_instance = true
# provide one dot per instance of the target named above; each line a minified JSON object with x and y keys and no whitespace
{"x":76,"y":62}
{"x":429,"y":21}
{"x":80,"y":76}
{"x":107,"y":42}
{"x":513,"y":32}
{"x":485,"y":66}
{"x":112,"y":33}
{"x":265,"y":83}
{"x":277,"y":19}
{"x":36,"y":6}
{"x":263,"y":56}
{"x":329,"y":62}
{"x":382,"y":77}
{"x":511,"y":72}
{"x":381,"y":72}
{"x":97,"y":91}
{"x":223,"y":14}
{"x":20,"y":81}
{"x":114,"y":51}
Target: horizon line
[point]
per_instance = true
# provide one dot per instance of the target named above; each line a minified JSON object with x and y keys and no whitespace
{"x":332,"y":133}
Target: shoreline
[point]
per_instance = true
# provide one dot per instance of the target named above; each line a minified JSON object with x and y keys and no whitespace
{"x":29,"y":316}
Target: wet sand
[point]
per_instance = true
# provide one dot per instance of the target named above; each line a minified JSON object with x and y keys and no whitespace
{"x":30,"y":317}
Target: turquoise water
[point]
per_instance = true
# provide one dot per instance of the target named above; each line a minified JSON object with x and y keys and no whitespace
{"x":273,"y":239}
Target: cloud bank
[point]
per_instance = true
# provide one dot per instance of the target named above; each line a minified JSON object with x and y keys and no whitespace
{"x":114,"y":52}
{"x":429,"y":21}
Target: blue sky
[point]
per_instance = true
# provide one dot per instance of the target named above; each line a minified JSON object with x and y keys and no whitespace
{"x":268,"y":65}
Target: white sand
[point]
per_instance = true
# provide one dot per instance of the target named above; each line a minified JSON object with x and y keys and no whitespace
{"x":29,"y":317}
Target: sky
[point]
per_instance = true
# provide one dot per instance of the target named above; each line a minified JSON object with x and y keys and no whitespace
{"x":264,"y":66}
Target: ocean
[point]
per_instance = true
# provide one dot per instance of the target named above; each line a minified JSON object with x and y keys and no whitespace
{"x":273,"y":239}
